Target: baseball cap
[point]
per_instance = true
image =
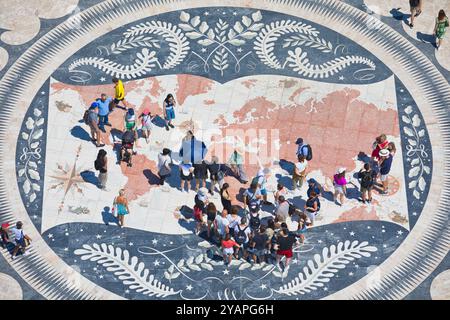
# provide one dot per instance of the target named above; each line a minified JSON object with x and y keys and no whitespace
{"x":299,"y":141}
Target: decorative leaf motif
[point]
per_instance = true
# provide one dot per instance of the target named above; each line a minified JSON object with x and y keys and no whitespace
{"x":26,"y":186}
{"x":184,"y":16}
{"x":405,"y":119}
{"x":238,"y":27}
{"x":427,"y":169}
{"x":412,"y":184}
{"x":299,"y":62}
{"x":325,"y":266}
{"x":421,"y":133}
{"x":408,"y":131}
{"x":205,"y":42}
{"x":195,"y":21}
{"x":37,"y":112}
{"x":415,"y":162}
{"x":416,"y":120}
{"x":32,"y":197}
{"x":416,"y":194}
{"x":40,"y":122}
{"x":413,"y":172}
{"x":128,"y":270}
{"x":29,"y":124}
{"x":246,"y":21}
{"x":21,"y":172}
{"x":199,"y":259}
{"x":422,"y":184}
{"x":412,"y":142}
{"x":257,"y":16}
{"x":25,"y":136}
{"x":408,"y":109}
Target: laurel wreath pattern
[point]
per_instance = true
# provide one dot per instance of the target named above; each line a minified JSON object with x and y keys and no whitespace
{"x":320,"y":270}
{"x":221,"y":44}
{"x":128,"y":270}
{"x":415,"y":152}
{"x":33,"y":135}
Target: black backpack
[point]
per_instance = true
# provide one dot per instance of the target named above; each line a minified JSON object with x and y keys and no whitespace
{"x":128,"y":137}
{"x":254,"y":221}
{"x":86,"y":117}
{"x":240,"y":236}
{"x":367,"y":179}
{"x":309,"y":156}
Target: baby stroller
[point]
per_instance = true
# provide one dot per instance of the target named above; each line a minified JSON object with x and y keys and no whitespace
{"x":126,"y":150}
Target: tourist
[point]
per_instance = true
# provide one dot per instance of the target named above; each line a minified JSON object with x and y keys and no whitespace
{"x":261,"y":179}
{"x":215,"y":174}
{"x":392,"y":149}
{"x":164,"y":162}
{"x":303,"y":149}
{"x":169,"y":110}
{"x":440,"y":27}
{"x":236,"y":163}
{"x":340,"y":186}
{"x":127,"y":147}
{"x":285,"y":242}
{"x":415,"y":7}
{"x":221,"y":225}
{"x":200,"y":174}
{"x":147,"y":125}
{"x":120,"y":206}
{"x":242,"y":235}
{"x":103,"y":110}
{"x":313,"y":185}
{"x":4,"y":235}
{"x":253,"y":217}
{"x":225,"y":197}
{"x":299,"y":173}
{"x":260,"y":241}
{"x":233,"y":218}
{"x":119,"y":93}
{"x":130,"y":123}
{"x":186,"y":170}
{"x":302,"y":227}
{"x":201,"y":201}
{"x":367,"y":177}
{"x":381,"y":142}
{"x":21,"y":238}
{"x":211,"y":213}
{"x":270,"y":231}
{"x":292,"y":220}
{"x":101,"y":164}
{"x":228,"y":246}
{"x":312,"y":207}
{"x":252,"y":194}
{"x":282,"y":212}
{"x":92,"y":119}
{"x":192,"y":150}
{"x":281,"y":191}
{"x":385,"y":168}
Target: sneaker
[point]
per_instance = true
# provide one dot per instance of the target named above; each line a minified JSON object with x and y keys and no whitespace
{"x":167,"y":128}
{"x":108,"y":124}
{"x":411,"y":25}
{"x":171,"y":125}
{"x":13,"y":257}
{"x":100,"y":145}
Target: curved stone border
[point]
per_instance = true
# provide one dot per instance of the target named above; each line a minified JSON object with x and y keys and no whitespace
{"x":397,"y":276}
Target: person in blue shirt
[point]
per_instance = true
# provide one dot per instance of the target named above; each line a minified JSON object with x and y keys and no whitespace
{"x":302,"y":148}
{"x":385,"y":168}
{"x":313,"y":185}
{"x":103,"y":111}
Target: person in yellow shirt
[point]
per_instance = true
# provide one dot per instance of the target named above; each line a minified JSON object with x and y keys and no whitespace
{"x":120,"y":92}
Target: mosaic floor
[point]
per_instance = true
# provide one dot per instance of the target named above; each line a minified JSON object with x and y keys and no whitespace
{"x":262,"y":72}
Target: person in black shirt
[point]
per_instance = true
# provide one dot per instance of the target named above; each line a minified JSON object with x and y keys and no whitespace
{"x":258,"y":245}
{"x":367,"y":177}
{"x":200,"y":174}
{"x":211,"y":213}
{"x":285,"y":242}
{"x":214,"y":169}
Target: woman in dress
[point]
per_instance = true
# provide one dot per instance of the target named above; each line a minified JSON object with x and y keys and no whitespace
{"x":225,"y":197}
{"x":440,"y":27}
{"x":169,"y":110}
{"x":121,"y":206}
{"x":101,"y":164}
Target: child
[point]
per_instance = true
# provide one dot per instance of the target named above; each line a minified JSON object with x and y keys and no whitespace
{"x":4,"y":235}
{"x":147,"y":124}
{"x":228,"y":248}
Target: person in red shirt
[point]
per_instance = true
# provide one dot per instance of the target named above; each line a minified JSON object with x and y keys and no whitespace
{"x":380,"y":143}
{"x":228,"y":248}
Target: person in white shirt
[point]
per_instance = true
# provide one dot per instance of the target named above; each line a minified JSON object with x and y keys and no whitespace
{"x":299,"y":172}
{"x":21,"y":239}
{"x":221,"y":224}
{"x":164,"y":162}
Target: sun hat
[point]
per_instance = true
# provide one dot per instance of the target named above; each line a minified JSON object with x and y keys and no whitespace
{"x":340,"y":170}
{"x":146,"y":111}
{"x":384,"y":152}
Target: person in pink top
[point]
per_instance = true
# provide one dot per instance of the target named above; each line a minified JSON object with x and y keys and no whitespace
{"x":380,"y":143}
{"x":340,"y":189}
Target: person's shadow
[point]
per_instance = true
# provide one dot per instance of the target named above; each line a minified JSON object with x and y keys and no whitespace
{"x":159,"y":122}
{"x":400,"y":16}
{"x":89,"y":177}
{"x":80,"y":133}
{"x":428,"y":38}
{"x":152,"y":178}
{"x":108,"y":216}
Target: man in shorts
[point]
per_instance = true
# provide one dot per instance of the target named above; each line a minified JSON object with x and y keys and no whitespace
{"x":258,"y":245}
{"x":119,"y":93}
{"x":21,"y":239}
{"x":416,"y":9}
{"x":93,"y":125}
{"x":103,"y":111}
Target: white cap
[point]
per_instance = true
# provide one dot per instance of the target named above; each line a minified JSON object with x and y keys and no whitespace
{"x":384,"y":152}
{"x":340,"y":170}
